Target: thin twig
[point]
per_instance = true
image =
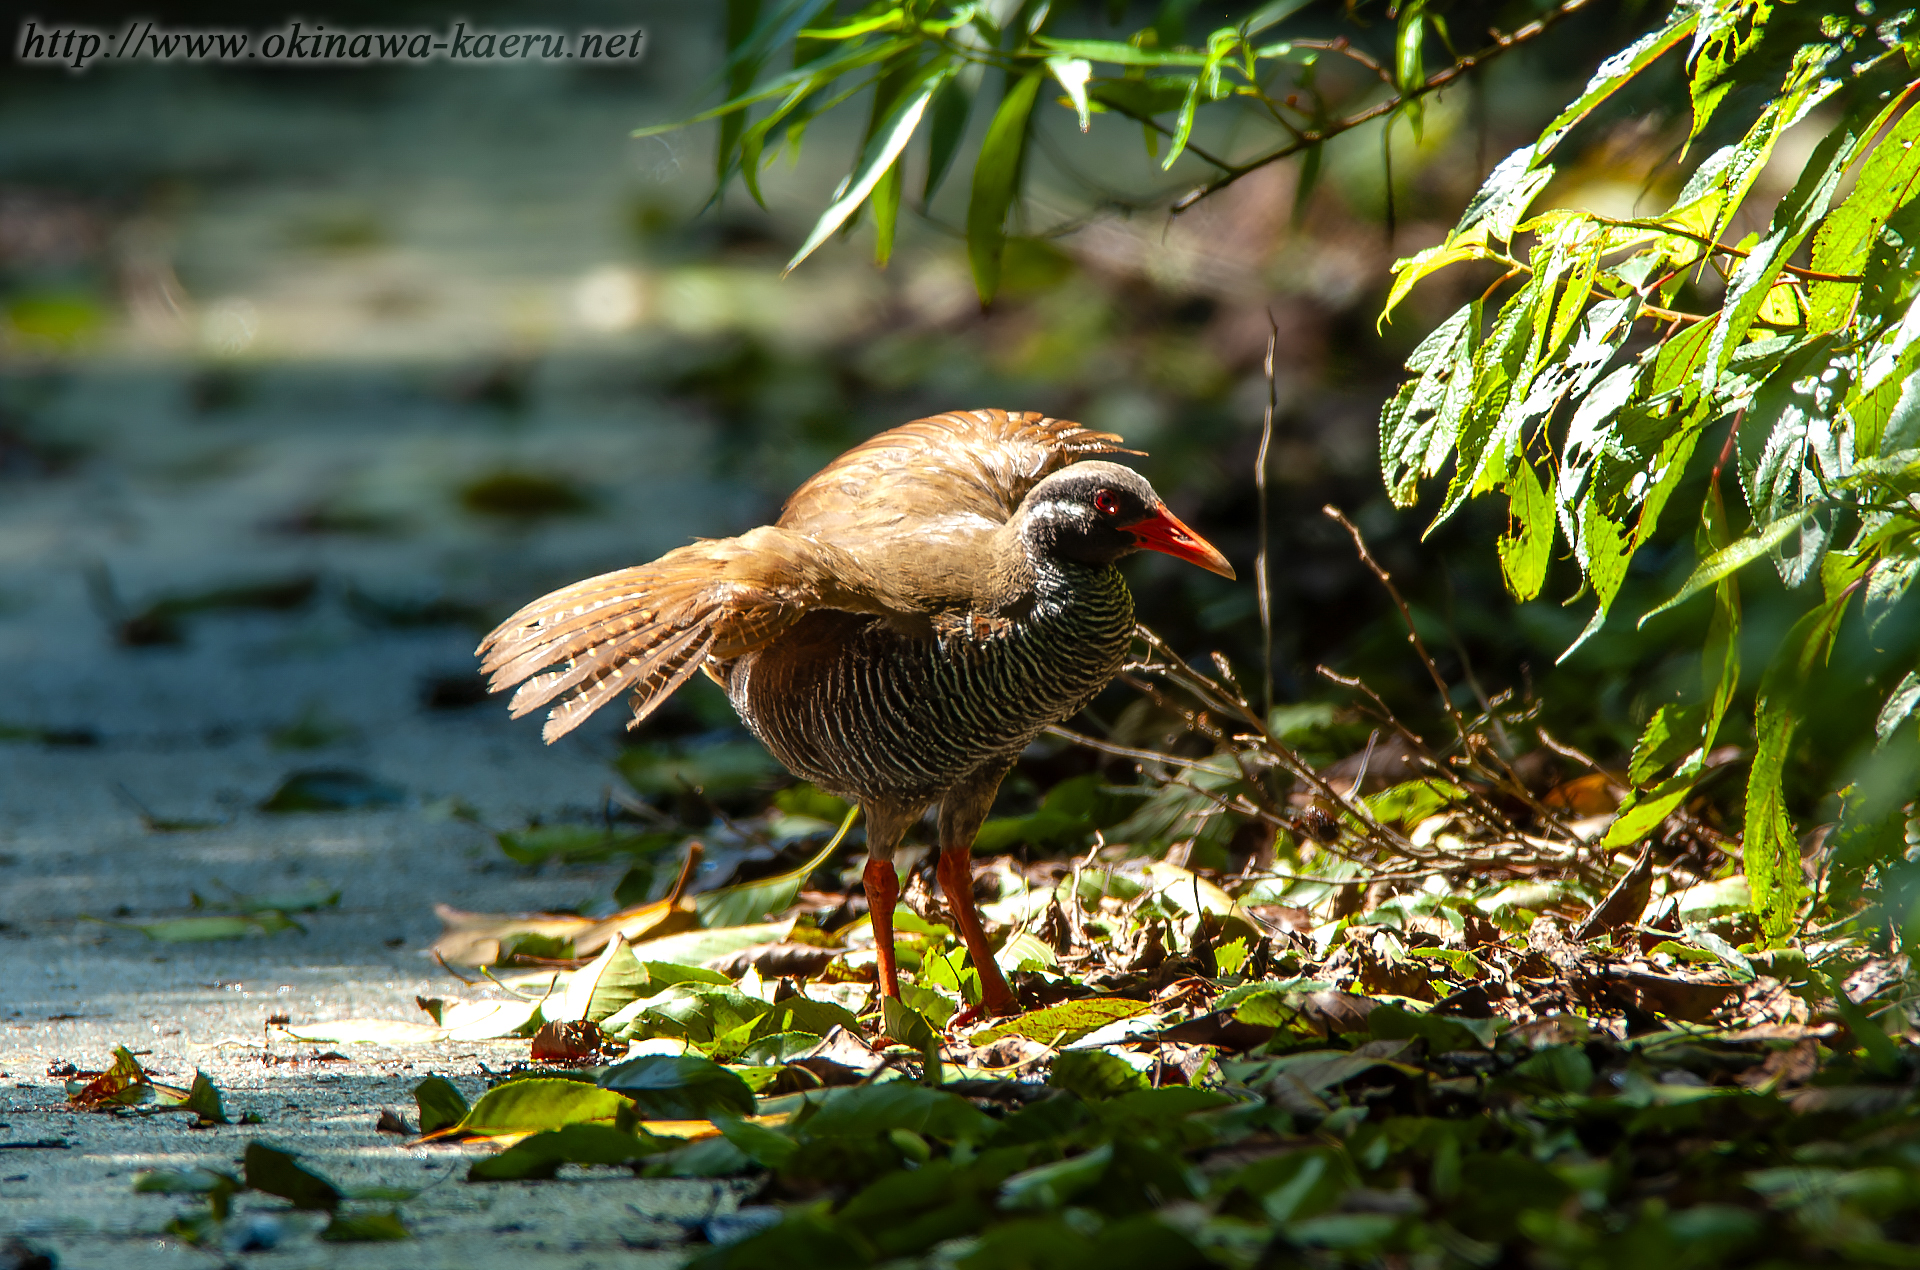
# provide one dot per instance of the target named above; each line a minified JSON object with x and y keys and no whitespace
{"x":1262,"y":587}
{"x":1406,"y":615}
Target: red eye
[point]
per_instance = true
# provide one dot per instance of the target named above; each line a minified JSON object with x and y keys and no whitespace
{"x":1105,"y":503}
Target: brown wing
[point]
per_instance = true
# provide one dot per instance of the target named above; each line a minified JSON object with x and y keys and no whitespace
{"x":954,"y":474}
{"x":649,"y":628}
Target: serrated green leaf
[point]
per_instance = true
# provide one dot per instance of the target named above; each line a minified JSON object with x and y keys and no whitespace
{"x":1728,"y":560}
{"x":1063,"y":1024}
{"x":1899,"y":705}
{"x":1524,"y":555}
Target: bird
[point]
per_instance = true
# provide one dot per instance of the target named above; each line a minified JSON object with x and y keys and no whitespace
{"x":924,"y":607}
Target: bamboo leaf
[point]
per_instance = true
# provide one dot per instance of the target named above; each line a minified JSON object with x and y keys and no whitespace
{"x":881,"y":152}
{"x":1184,"y":128}
{"x":1117,"y":54}
{"x":952,"y":103}
{"x":996,"y":178}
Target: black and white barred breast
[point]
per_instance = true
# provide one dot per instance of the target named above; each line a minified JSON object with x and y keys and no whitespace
{"x":860,"y":710}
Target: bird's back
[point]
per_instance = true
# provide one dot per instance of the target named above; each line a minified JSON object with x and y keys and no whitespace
{"x":917,"y":501}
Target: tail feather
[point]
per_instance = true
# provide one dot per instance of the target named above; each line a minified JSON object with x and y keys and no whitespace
{"x":649,"y":628}
{"x":663,"y":670}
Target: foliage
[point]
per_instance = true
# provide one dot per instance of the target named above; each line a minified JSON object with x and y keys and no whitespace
{"x":1586,"y":392}
{"x":928,"y":64}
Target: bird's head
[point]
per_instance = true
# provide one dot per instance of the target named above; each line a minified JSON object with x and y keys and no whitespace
{"x":1095,"y":512}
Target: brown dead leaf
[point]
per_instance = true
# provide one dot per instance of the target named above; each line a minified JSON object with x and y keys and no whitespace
{"x":1784,"y":1068}
{"x":391,"y":1121}
{"x":773,"y":960}
{"x":1692,"y":1000}
{"x":1594,"y":795}
{"x":1625,"y":903}
{"x":474,"y":939}
{"x":568,"y":1041}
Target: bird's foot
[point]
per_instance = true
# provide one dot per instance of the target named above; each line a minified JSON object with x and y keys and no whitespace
{"x":969,"y":1015}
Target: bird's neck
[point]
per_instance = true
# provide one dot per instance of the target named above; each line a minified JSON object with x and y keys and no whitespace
{"x":1025,"y":577}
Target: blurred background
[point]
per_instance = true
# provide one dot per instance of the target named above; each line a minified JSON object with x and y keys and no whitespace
{"x":309,"y":375}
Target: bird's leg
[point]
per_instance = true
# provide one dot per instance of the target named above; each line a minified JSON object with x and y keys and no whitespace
{"x":956,"y":879}
{"x":886,"y":824}
{"x":883,"y":892}
{"x":961,"y":813}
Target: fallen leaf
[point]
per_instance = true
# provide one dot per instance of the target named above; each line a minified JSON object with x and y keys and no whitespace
{"x":1063,"y":1024}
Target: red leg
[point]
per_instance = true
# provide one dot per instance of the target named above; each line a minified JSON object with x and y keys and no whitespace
{"x":883,"y":892}
{"x":956,"y":879}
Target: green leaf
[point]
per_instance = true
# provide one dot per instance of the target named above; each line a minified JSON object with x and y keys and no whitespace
{"x":1409,"y":65}
{"x":1442,"y":1032}
{"x":1771,"y":851}
{"x":766,"y":1147}
{"x":541,"y":1155}
{"x":879,"y":157}
{"x":952,"y":103}
{"x":527,"y":1106}
{"x":1726,"y":562}
{"x":364,"y":1228}
{"x":1183,"y":127}
{"x":1063,"y":1024}
{"x":1670,"y":735}
{"x":200,"y":930}
{"x":996,"y":177}
{"x":441,"y":1104}
{"x":1888,"y":181}
{"x":203,"y":1099}
{"x":1900,"y":704}
{"x":679,"y":1087}
{"x":1117,"y":54}
{"x":578,"y":844}
{"x":1524,"y":556}
{"x":1052,"y":1185}
{"x":905,"y":1024}
{"x":605,"y":985}
{"x":1096,"y":1075}
{"x":751,"y":901}
{"x":867,"y":1110}
{"x":275,"y":1172}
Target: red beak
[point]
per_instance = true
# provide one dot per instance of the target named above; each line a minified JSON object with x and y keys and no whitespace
{"x":1162,"y":531}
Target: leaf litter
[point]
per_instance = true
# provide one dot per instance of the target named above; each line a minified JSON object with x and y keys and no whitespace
{"x":1403,"y":1004}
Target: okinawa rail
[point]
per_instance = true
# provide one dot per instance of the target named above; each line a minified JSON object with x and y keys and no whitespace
{"x":927,"y":604}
